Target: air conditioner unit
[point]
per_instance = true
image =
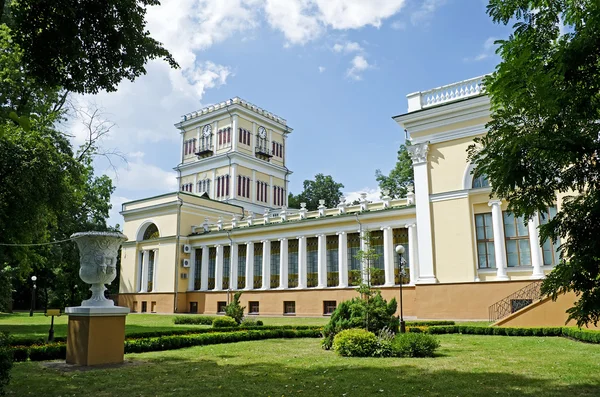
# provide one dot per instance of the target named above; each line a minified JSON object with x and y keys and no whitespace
{"x":185,"y":263}
{"x":187,"y":248}
{"x":184,"y":276}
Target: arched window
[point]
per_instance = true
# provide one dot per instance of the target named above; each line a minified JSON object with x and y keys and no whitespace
{"x":151,"y":232}
{"x":480,"y":181}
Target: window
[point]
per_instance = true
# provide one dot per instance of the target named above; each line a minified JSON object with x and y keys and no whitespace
{"x":241,"y":281}
{"x":332,"y":256}
{"x":400,"y":236}
{"x":277,"y":195}
{"x":277,"y":149}
{"x":193,"y":307}
{"x":261,"y":191}
{"x":289,"y":307}
{"x":377,"y":264}
{"x":550,"y":249}
{"x":197,"y":269}
{"x":153,"y":307}
{"x":329,"y":307}
{"x":354,"y":273}
{"x":144,"y":306}
{"x":151,"y":232}
{"x":517,"y":240}
{"x":244,"y":136}
{"x":150,"y":270}
{"x":188,"y":187}
{"x":258,"y":254}
{"x":243,"y":188}
{"x":253,"y":307}
{"x":480,"y":181}
{"x":212,"y":264}
{"x":226,"y":266}
{"x":312,"y":257}
{"x":221,"y":306}
{"x":485,"y":241}
{"x":292,"y":263}
{"x":204,"y":186}
{"x":189,"y":147}
{"x":222,"y":186}
{"x":275,"y":253}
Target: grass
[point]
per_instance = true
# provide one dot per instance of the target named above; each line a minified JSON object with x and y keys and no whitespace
{"x":467,"y":365}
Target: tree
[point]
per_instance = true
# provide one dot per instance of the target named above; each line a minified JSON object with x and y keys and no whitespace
{"x":397,"y":182}
{"x":544,"y":134}
{"x":234,"y":309}
{"x":322,"y":188}
{"x":83,"y":46}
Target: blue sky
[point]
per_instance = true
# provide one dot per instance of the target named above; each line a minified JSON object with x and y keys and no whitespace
{"x":337,"y":70}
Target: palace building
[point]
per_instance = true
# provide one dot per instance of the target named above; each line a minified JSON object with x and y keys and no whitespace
{"x":229,"y":228}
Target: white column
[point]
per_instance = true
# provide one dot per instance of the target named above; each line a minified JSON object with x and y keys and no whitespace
{"x":322,"y":260}
{"x":302,"y":262}
{"x":204,"y":269}
{"x":499,"y":243}
{"x":283,"y":263}
{"x":413,"y":254}
{"x":418,"y":154}
{"x":233,"y":184}
{"x":219,"y":268}
{"x":213,"y":185}
{"x":253,"y":186}
{"x":270,"y":195}
{"x":192,"y":271}
{"x":145,"y":258}
{"x":266,"y":264}
{"x":234,"y":132}
{"x":195,"y":188}
{"x":364,"y":246}
{"x":249,"y":265}
{"x":233,"y":266}
{"x":537,"y":256}
{"x":388,"y":255}
{"x":253,"y":140}
{"x":155,"y":272}
{"x":343,"y":259}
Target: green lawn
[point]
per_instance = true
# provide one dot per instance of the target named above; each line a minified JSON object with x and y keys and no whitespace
{"x":468,"y":365}
{"x":20,"y":324}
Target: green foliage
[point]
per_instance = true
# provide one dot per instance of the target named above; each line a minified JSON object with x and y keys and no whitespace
{"x":51,"y":351}
{"x":376,"y":313}
{"x":250,"y":322}
{"x":414,"y":345}
{"x":322,"y":188}
{"x":6,"y":362}
{"x":224,"y":322}
{"x":429,"y":323}
{"x":355,"y":342}
{"x":234,"y":309}
{"x":100,"y":43}
{"x":194,"y":319}
{"x":543,"y":137}
{"x":402,"y":176}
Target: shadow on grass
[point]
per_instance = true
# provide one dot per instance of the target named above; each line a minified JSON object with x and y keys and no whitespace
{"x":173,"y":376}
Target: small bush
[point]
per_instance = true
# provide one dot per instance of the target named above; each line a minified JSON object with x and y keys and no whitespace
{"x":250,"y":322}
{"x":414,"y":345}
{"x":259,"y":323}
{"x":53,"y":351}
{"x":6,"y":362}
{"x":224,"y":322}
{"x":194,"y":320}
{"x":234,"y":309}
{"x":355,"y":343}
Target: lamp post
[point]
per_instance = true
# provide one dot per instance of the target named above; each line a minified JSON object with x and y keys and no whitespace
{"x":400,"y":250}
{"x":33,"y":278}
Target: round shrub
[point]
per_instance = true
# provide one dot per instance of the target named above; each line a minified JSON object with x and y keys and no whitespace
{"x":225,"y":321}
{"x":414,"y":345}
{"x":259,"y":323}
{"x":355,"y":343}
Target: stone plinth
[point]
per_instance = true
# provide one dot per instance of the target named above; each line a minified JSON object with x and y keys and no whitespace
{"x":96,"y":335}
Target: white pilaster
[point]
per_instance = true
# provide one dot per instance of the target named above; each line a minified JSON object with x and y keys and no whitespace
{"x":233,"y":184}
{"x":253,"y":140}
{"x":266,"y":264}
{"x":364,"y":246}
{"x":234,"y":132}
{"x":192,"y":271}
{"x":322,"y":260}
{"x":283,"y":263}
{"x":249,"y":265}
{"x":537,"y":256}
{"x":499,"y":243}
{"x":219,"y":268}
{"x":145,"y":259}
{"x":204,"y":269}
{"x":270,"y":195}
{"x":388,"y":255}
{"x":233,"y":266}
{"x":253,"y":186}
{"x":213,"y":185}
{"x":413,"y":253}
{"x":418,"y":154}
{"x":343,"y":259}
{"x":302,"y":262}
{"x":155,"y":272}
{"x":195,"y":187}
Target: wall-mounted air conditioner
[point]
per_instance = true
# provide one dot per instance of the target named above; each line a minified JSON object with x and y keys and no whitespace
{"x":185,"y":262}
{"x":187,"y":248}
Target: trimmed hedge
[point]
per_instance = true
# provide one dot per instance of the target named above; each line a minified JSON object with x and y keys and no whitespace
{"x":57,"y":351}
{"x":428,"y":323}
{"x":508,"y":331}
{"x":195,"y":320}
{"x":224,"y":322}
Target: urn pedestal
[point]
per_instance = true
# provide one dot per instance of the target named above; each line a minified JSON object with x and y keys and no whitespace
{"x":96,"y":330}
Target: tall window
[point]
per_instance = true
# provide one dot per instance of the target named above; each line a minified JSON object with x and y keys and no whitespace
{"x":150,"y":270}
{"x":400,"y":236}
{"x":353,"y":262}
{"x":332,"y":261}
{"x":312,"y":264}
{"x":151,"y":232}
{"x":212,"y":262}
{"x":275,"y":253}
{"x":277,"y":195}
{"x":198,"y":269}
{"x":485,"y":241}
{"x":480,"y":181}
{"x":241,"y":282}
{"x":518,"y":251}
{"x":261,"y":191}
{"x":204,"y":186}
{"x":223,"y":186}
{"x":226,"y":266}
{"x":551,"y":249}
{"x":244,"y":136}
{"x":243,"y":186}
{"x":293,"y":263}
{"x":376,"y":243}
{"x":258,"y":255}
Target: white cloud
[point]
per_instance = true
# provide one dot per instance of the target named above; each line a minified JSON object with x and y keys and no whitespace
{"x":398,"y":25}
{"x":114,"y":217}
{"x":426,"y":11}
{"x":373,"y":194}
{"x":321,"y":69}
{"x":142,"y":176}
{"x":488,"y":50}
{"x":358,"y":65}
{"x":295,"y":18}
{"x":354,"y":14}
{"x":348,"y":47}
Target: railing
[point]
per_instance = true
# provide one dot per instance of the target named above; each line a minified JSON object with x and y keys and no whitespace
{"x":274,"y":281}
{"x":312,"y":279}
{"x":257,"y":282}
{"x":447,"y":93}
{"x":211,"y":283}
{"x":241,"y":282}
{"x":292,"y":280}
{"x":263,"y":150}
{"x":515,"y":301}
{"x":333,"y":279}
{"x":204,"y":149}
{"x":229,"y":102}
{"x":225,"y":283}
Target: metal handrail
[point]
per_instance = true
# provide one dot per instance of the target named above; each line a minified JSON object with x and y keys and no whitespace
{"x":515,"y":301}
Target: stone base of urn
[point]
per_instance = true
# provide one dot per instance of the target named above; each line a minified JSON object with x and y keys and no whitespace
{"x":96,"y":335}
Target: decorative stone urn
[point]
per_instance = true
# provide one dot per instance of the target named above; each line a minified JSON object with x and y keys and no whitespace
{"x":98,"y":263}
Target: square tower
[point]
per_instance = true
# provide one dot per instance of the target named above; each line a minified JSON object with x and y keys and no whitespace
{"x":235,"y":152}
